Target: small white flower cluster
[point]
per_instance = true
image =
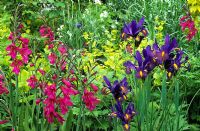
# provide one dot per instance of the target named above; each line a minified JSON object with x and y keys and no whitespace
{"x":104,"y":14}
{"x":59,"y":31}
{"x":97,"y":2}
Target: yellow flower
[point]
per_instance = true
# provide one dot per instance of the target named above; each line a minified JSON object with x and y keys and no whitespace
{"x":195,"y":9}
{"x":86,"y":35}
{"x":159,"y":36}
{"x":28,"y":22}
{"x":193,"y":2}
{"x":28,"y":31}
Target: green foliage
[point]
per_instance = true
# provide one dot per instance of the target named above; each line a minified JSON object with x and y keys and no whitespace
{"x":160,"y":104}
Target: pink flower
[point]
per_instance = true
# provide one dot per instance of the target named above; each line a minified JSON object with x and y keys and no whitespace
{"x":90,"y":100}
{"x":1,"y":77}
{"x":42,"y":85}
{"x":49,"y":102}
{"x":12,"y":49}
{"x":32,"y":64}
{"x":62,"y":49}
{"x":63,"y":65}
{"x":38,"y":101}
{"x":64,"y":103}
{"x":50,"y":46}
{"x":66,"y":82}
{"x":32,"y":81}
{"x":72,"y":79}
{"x":3,"y":121}
{"x":85,"y":80}
{"x":72,"y":71}
{"x":94,"y":87}
{"x":59,"y":118}
{"x":20,"y":26}
{"x":68,"y":91}
{"x":54,"y":77}
{"x":46,"y":32}
{"x":25,"y":52}
{"x":49,"y":111}
{"x":3,"y":89}
{"x":16,"y":64}
{"x":24,"y":41}
{"x":187,"y":22}
{"x":52,"y":58}
{"x":50,"y":91}
{"x":11,"y":36}
{"x":42,"y":72}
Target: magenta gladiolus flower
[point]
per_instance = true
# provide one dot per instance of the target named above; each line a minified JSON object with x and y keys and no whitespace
{"x":52,"y":58}
{"x":24,"y":41}
{"x":62,"y":49}
{"x":18,"y":45}
{"x":50,"y":46}
{"x":12,"y":49}
{"x":49,"y":109}
{"x":11,"y":36}
{"x":16,"y":64}
{"x":38,"y":101}
{"x":46,"y":32}
{"x":32,"y":81}
{"x":63,"y":65}
{"x":64,"y":102}
{"x":90,"y":100}
{"x":94,"y":87}
{"x":3,"y":89}
{"x":68,"y":91}
{"x":186,"y":22}
{"x":49,"y":102}
{"x":42,"y":72}
{"x":25,"y":52}
{"x":54,"y":77}
{"x":3,"y":121}
{"x":66,"y":82}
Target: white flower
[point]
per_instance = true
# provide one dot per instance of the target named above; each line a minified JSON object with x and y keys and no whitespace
{"x":113,"y":26}
{"x":97,"y":2}
{"x":110,"y":4}
{"x":60,"y":28}
{"x":104,"y":14}
{"x":70,"y":34}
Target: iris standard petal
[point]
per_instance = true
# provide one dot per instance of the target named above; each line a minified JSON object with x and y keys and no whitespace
{"x":167,"y":39}
{"x":173,"y":45}
{"x":140,"y":23}
{"x":156,"y":47}
{"x":129,"y":64}
{"x":107,"y":81}
{"x":138,"y":57}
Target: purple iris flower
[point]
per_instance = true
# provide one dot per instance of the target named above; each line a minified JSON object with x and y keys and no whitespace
{"x":163,"y":53}
{"x":126,"y":116}
{"x":168,"y":55}
{"x":135,"y":30}
{"x":118,"y":89}
{"x":78,"y":25}
{"x":141,"y":69}
{"x":174,"y":62}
